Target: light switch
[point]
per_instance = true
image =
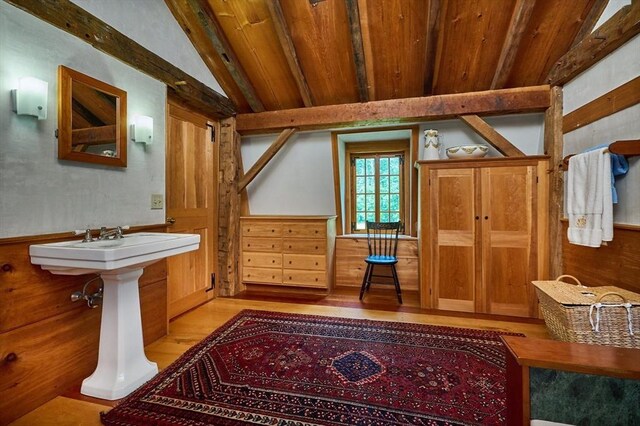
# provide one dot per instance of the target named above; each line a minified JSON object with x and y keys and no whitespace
{"x":157,"y":201}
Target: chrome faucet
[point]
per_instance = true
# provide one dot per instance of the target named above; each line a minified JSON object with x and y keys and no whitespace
{"x":115,"y":233}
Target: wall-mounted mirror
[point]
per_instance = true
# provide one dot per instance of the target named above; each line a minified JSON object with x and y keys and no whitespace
{"x":92,"y":119}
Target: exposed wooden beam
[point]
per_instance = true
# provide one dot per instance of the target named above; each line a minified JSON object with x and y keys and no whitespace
{"x":489,"y":134}
{"x":229,"y":283}
{"x":212,"y":28}
{"x":93,"y":135}
{"x":76,"y":21}
{"x":616,"y":100}
{"x":265,"y":158}
{"x":590,"y":20}
{"x":622,"y":26}
{"x":553,"y":147}
{"x":282,"y":30}
{"x":519,"y":21}
{"x":394,"y":111}
{"x":187,"y":20}
{"x":432,"y":34}
{"x":358,"y":49}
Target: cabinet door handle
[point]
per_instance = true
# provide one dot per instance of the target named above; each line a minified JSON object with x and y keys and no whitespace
{"x":486,"y":217}
{"x":477,"y":217}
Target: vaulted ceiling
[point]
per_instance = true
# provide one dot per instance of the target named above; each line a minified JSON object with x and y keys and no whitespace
{"x":282,"y":54}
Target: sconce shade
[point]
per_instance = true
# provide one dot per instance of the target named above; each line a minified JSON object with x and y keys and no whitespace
{"x":142,"y":129}
{"x":31,"y":97}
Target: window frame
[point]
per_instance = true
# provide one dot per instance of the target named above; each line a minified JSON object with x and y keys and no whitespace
{"x":368,"y":149}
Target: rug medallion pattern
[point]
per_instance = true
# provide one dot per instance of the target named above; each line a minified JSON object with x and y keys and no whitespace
{"x":288,"y":369}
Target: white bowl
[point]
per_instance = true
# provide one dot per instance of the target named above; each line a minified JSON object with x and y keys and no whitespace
{"x":467,"y":151}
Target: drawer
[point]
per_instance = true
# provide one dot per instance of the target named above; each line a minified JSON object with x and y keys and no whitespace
{"x":261,"y":229}
{"x":305,"y":230}
{"x":305,"y":261}
{"x":257,"y":259}
{"x":273,"y":245}
{"x":304,"y":278}
{"x":304,"y":246}
{"x":262,"y":275}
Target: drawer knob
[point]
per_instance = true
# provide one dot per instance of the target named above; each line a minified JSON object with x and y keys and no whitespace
{"x":273,"y":230}
{"x":248,"y":260}
{"x":273,"y":261}
{"x":248,"y":245}
{"x":289,"y":262}
{"x":316,"y":247}
{"x":316,"y":231}
{"x":273,"y":277}
{"x":316,"y":279}
{"x":7,"y":267}
{"x":273,"y":246}
{"x":316,"y":263}
{"x":248,"y":229}
{"x":289,"y":230}
{"x":290,"y":278}
{"x":289,"y":246}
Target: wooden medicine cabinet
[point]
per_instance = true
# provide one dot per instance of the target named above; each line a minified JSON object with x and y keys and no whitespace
{"x":92,"y":118}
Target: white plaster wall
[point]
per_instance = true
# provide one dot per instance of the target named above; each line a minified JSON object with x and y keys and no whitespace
{"x":41,"y":194}
{"x":297,"y":181}
{"x":614,"y":70}
{"x":150,"y":23}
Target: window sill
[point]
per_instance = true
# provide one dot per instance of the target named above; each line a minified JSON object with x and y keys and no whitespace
{"x":364,"y":237}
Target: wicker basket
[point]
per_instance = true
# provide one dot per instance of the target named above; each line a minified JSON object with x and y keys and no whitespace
{"x":575,"y":313}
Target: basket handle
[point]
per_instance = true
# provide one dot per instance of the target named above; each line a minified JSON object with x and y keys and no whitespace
{"x":610,"y":293}
{"x":578,"y":283}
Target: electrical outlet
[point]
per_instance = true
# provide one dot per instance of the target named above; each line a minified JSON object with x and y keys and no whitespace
{"x":157,"y":201}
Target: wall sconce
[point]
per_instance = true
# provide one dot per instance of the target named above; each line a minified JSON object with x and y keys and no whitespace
{"x":142,"y":129}
{"x":30,"y":98}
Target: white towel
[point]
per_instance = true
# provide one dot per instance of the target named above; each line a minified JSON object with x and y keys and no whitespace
{"x":589,"y":203}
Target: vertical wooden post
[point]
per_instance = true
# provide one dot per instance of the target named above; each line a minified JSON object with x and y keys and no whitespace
{"x":553,"y":145}
{"x":228,"y":209}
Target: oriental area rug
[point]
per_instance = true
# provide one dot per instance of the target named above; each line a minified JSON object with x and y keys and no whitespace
{"x":271,"y":368}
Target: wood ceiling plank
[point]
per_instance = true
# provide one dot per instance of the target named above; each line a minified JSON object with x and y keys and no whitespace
{"x":394,"y":111}
{"x":467,"y":56}
{"x":397,"y":37}
{"x":489,"y":134}
{"x":76,"y":21}
{"x":590,"y":20}
{"x":252,"y":35}
{"x":432,"y":34}
{"x":322,"y":41}
{"x":622,"y":26}
{"x":277,"y":16}
{"x":552,"y":28}
{"x":519,"y":21}
{"x":358,"y":49}
{"x":218,"y":40}
{"x":264,"y":159}
{"x":187,"y":20}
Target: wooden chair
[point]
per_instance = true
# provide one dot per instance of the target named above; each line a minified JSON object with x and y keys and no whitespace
{"x":382,"y":239}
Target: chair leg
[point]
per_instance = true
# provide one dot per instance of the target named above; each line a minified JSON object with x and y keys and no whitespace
{"x":396,"y":282}
{"x":364,"y":280}
{"x":369,"y":277}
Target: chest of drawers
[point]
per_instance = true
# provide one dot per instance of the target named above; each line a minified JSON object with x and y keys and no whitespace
{"x":290,"y":251}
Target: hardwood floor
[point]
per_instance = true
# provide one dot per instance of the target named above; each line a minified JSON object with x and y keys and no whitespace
{"x":72,"y":408}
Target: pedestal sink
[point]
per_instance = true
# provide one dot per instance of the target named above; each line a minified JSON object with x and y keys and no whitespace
{"x":122,"y":363}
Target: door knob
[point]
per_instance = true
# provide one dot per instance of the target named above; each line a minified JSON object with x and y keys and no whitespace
{"x":171,"y":220}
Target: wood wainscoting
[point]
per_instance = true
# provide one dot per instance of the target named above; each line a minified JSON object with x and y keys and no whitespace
{"x":616,"y":264}
{"x":350,"y":266}
{"x":47,"y":342}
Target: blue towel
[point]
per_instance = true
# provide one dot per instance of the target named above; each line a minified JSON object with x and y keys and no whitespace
{"x":619,"y":167}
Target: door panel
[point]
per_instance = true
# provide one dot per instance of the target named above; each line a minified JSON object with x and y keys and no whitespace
{"x":508,"y":251}
{"x":191,"y":186}
{"x":453,"y":247}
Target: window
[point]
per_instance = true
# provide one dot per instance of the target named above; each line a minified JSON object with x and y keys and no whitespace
{"x":376,"y":176}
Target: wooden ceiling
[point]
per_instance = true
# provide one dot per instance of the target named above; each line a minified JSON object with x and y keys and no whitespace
{"x":281,"y":54}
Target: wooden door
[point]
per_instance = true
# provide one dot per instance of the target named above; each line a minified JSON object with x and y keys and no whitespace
{"x":192,"y":168}
{"x":454,"y":265}
{"x":509,"y":250}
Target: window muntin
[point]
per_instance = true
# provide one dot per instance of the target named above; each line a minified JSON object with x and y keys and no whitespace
{"x":377,"y":188}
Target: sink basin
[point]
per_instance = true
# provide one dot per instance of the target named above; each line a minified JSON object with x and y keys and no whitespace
{"x":122,"y":364}
{"x":76,"y":257}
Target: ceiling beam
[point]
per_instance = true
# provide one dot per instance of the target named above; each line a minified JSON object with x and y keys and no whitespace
{"x":590,"y":20}
{"x":205,"y":19}
{"x":622,"y":26}
{"x":490,"y":135}
{"x":76,"y":21}
{"x":265,"y":158}
{"x":282,"y":30}
{"x":358,"y":49}
{"x":519,"y":21}
{"x":187,"y":20}
{"x":394,"y":111}
{"x":432,"y":33}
